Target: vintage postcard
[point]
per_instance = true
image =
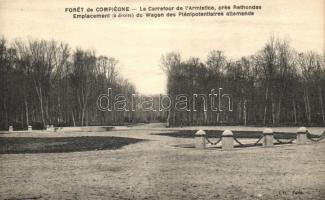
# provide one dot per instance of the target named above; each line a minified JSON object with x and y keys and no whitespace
{"x":162,"y":99}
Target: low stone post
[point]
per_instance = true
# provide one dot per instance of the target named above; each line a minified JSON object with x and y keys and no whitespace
{"x":200,"y":139}
{"x":48,"y":127}
{"x":302,"y":135}
{"x":52,"y":128}
{"x":30,"y":128}
{"x":227,"y":142}
{"x":11,"y":129}
{"x":268,"y":137}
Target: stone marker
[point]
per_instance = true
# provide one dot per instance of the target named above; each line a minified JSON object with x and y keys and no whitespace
{"x":11,"y":129}
{"x":200,"y":139}
{"x":302,"y":135}
{"x":268,"y":137}
{"x":30,"y":128}
{"x":47,"y":127}
{"x":227,"y":142}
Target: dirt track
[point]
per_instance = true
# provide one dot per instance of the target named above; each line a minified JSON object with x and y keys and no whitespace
{"x":155,"y":169}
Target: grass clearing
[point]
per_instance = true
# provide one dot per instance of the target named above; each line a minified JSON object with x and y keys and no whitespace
{"x":156,"y":169}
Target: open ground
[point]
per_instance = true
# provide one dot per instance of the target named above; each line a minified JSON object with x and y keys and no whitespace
{"x":154,"y":168}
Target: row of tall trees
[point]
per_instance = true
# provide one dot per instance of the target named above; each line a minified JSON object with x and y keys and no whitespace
{"x":275,"y":86}
{"x":46,"y":82}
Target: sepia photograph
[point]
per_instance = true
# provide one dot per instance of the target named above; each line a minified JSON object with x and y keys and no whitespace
{"x":162,"y":99}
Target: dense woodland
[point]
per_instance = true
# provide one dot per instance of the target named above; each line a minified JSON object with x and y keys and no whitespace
{"x":275,"y":86}
{"x":47,"y":82}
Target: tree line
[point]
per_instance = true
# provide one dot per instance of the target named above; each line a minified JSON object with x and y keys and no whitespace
{"x":276,"y":86}
{"x":46,"y":82}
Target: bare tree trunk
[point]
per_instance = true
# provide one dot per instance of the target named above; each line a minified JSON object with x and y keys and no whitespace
{"x":87,"y":118}
{"x":59,"y":115}
{"x":82,"y":116}
{"x":42,"y":110}
{"x":218,"y":115}
{"x":26,"y":112}
{"x":174,"y":117}
{"x":321,"y":103}
{"x":253,"y":106}
{"x":273,"y":112}
{"x":239,"y":112}
{"x":191,"y":117}
{"x":279,"y":112}
{"x":205,"y":113}
{"x":307,"y":106}
{"x":22,"y":116}
{"x":47,"y":111}
{"x":40,"y":97}
{"x":6,"y":112}
{"x":74,"y":121}
{"x":245,"y":113}
{"x":265,"y":106}
{"x":294,"y":111}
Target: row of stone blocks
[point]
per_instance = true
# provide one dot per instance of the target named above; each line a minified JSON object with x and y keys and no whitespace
{"x":30,"y":128}
{"x":227,"y":141}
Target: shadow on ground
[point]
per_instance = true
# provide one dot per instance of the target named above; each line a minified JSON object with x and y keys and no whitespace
{"x":18,"y":145}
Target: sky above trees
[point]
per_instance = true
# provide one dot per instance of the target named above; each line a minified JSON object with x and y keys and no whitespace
{"x":139,"y":44}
